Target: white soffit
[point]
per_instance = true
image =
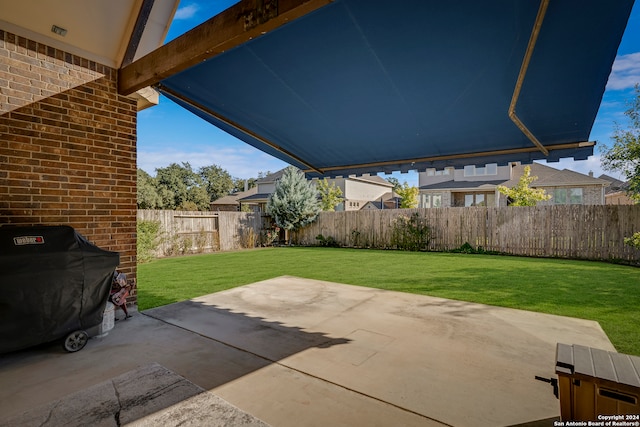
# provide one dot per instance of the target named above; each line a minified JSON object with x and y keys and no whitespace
{"x":96,"y":30}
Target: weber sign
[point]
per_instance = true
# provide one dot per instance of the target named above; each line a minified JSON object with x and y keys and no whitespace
{"x":28,"y":240}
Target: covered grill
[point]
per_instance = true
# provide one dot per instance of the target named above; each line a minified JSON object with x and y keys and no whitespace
{"x":54,"y":285}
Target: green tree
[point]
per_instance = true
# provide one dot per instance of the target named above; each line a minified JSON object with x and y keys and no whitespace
{"x":217,"y":181}
{"x":148,"y":197}
{"x":330,"y":195}
{"x":409,"y":196}
{"x":188,"y":206}
{"x":178,"y":185}
{"x":166,"y":197}
{"x":239,"y":184}
{"x":522,"y":194}
{"x":395,"y":182}
{"x":624,"y":155}
{"x":294,"y":203}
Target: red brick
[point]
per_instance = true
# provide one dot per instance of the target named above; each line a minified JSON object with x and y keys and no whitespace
{"x":23,"y":205}
{"x":15,"y":184}
{"x":50,"y":199}
{"x":54,"y":192}
{"x":24,"y":145}
{"x":26,"y":176}
{"x":54,"y":148}
{"x":43,"y":184}
{"x":24,"y":161}
{"x":19,"y":218}
{"x":75,"y":146}
{"x":54,"y":109}
{"x":52,"y":136}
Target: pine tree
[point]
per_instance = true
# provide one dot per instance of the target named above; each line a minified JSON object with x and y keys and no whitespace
{"x":294,"y":202}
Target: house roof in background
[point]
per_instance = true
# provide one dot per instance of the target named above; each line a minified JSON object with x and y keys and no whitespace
{"x":258,"y":197}
{"x":232,"y":199}
{"x":551,"y":177}
{"x":361,"y":86}
{"x":390,"y":196}
{"x":375,"y":179}
{"x":273,"y":177}
{"x":460,"y":185}
{"x":547,"y":177}
{"x":615,"y":185}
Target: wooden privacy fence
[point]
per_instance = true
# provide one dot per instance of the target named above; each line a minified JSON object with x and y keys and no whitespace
{"x":183,"y":232}
{"x":577,"y":231}
{"x":574,"y":231}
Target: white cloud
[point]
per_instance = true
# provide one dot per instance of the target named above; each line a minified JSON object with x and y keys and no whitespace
{"x":186,"y":12}
{"x":625,"y":72}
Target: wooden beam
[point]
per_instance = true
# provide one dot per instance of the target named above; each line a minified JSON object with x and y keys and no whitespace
{"x":138,"y":31}
{"x":240,"y":23}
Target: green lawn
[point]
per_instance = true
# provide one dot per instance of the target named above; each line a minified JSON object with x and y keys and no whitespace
{"x":607,"y":293}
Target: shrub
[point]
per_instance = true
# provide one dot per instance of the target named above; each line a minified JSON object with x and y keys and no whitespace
{"x":269,"y":235}
{"x":466,"y":248}
{"x":247,"y":238}
{"x":355,"y":237}
{"x":633,"y":240}
{"x":186,"y":244}
{"x":327,"y":241}
{"x":410,"y":233}
{"x":171,"y":245}
{"x":147,"y":235}
{"x":178,"y":245}
{"x":201,"y":240}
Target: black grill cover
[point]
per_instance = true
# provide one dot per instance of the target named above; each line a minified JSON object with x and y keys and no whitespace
{"x":52,"y":282}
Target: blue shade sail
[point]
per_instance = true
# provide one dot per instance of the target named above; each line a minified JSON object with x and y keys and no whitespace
{"x":367,"y":86}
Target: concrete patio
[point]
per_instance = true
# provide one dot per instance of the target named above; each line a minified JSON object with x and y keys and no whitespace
{"x":292,"y":352}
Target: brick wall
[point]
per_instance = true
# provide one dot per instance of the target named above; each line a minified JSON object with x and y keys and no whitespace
{"x":67,"y":146}
{"x":31,"y":71}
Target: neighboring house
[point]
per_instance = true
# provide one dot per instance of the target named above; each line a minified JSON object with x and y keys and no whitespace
{"x":471,"y":186}
{"x":257,"y":202}
{"x":230,"y":202}
{"x":356,"y":192}
{"x":477,"y":186}
{"x":389,"y":201}
{"x":616,"y":193}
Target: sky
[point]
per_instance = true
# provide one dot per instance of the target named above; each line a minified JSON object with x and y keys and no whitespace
{"x":169,"y":134}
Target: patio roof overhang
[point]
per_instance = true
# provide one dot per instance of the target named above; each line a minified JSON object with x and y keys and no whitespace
{"x":360,"y":86}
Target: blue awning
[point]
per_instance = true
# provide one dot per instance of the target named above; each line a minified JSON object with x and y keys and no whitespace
{"x":367,"y":86}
